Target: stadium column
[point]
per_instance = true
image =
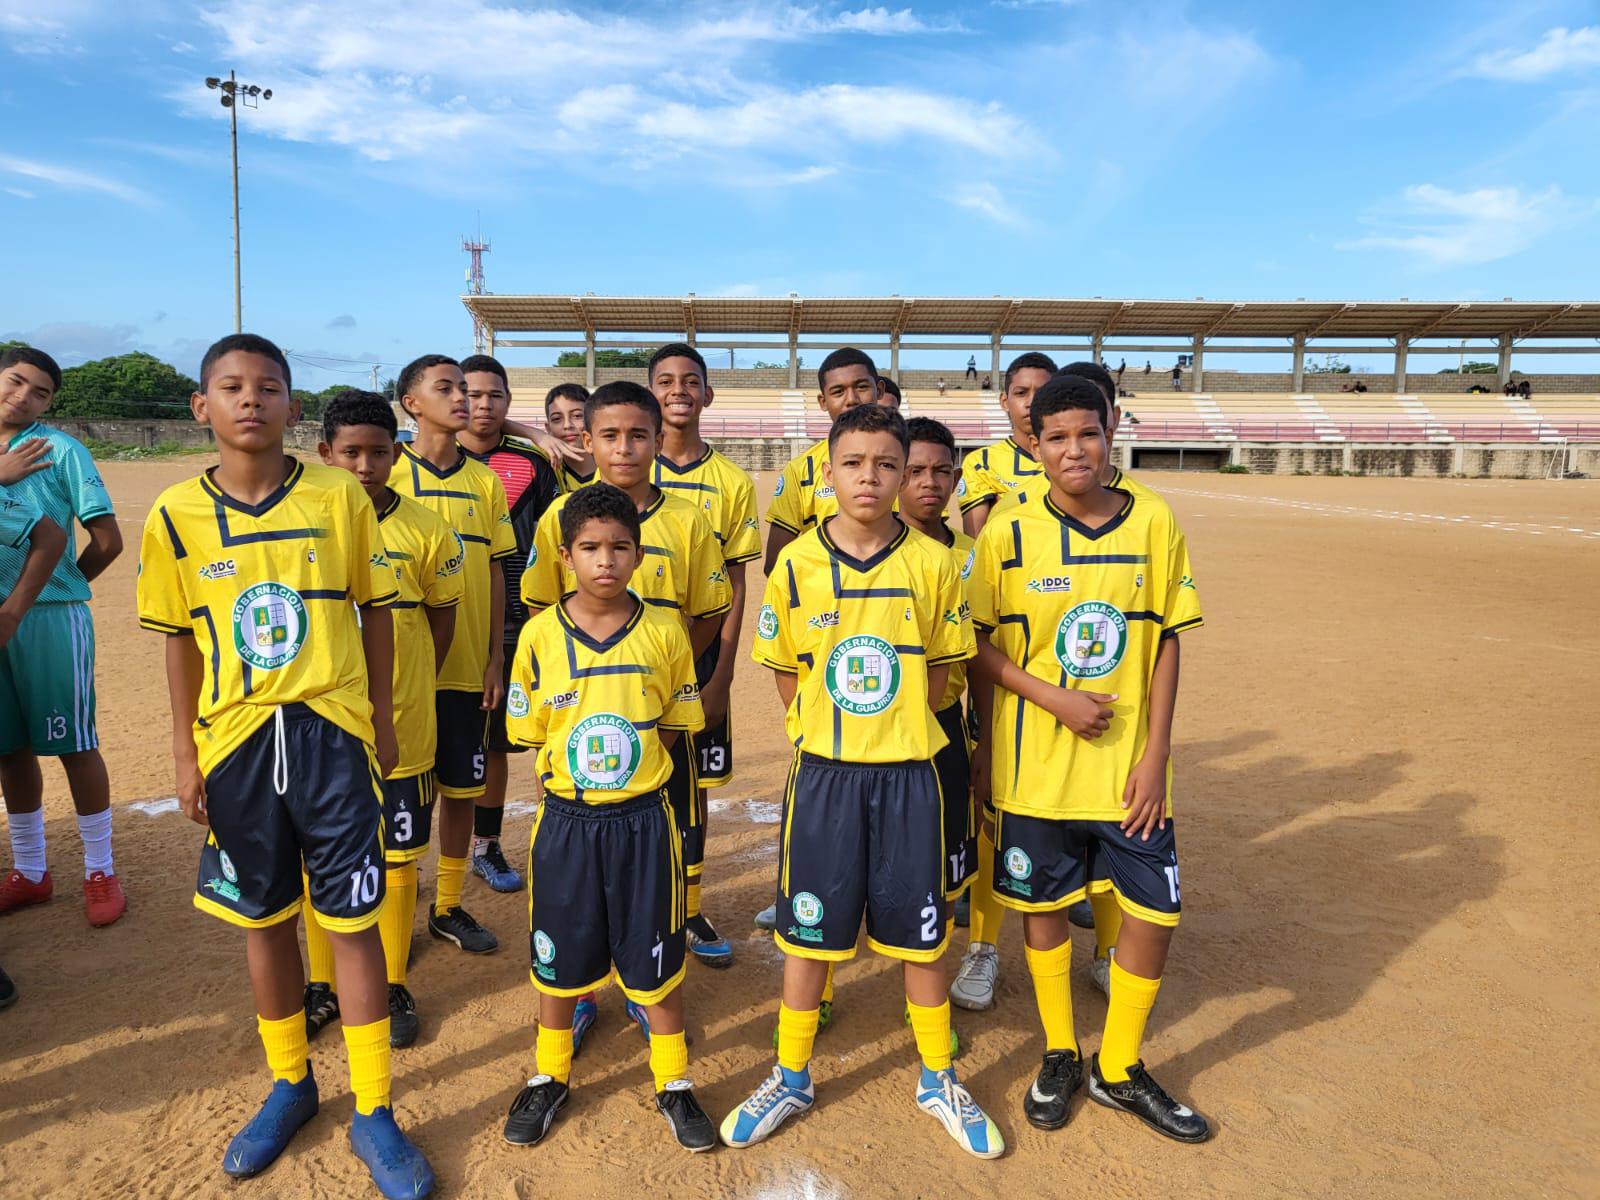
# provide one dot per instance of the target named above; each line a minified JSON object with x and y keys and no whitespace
{"x":1199,"y":368}
{"x":794,"y":357}
{"x":1299,"y":362}
{"x":1401,"y":345}
{"x":994,"y":358}
{"x":1097,"y":350}
{"x":588,"y":361}
{"x":894,"y":357}
{"x":1505,"y":359}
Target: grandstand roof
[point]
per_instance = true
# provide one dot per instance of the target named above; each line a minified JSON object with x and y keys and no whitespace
{"x":1011,"y":317}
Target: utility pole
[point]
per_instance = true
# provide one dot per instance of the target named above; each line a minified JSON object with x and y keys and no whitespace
{"x":476,"y":248}
{"x":234,"y":94}
{"x":375,"y":376}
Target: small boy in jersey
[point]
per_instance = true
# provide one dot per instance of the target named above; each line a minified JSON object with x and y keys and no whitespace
{"x":1003,"y":469}
{"x":358,"y":435}
{"x":563,"y":417}
{"x":47,"y":695}
{"x":1079,"y":596}
{"x":602,"y":684}
{"x":861,"y":622}
{"x":281,"y":730}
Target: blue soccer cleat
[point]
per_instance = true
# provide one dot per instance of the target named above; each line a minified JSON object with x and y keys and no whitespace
{"x":398,"y":1167}
{"x":637,"y":1014}
{"x":583,"y":1017}
{"x":706,"y":944}
{"x":255,"y":1147}
{"x":489,"y":864}
{"x":941,"y":1094}
{"x":784,"y":1094}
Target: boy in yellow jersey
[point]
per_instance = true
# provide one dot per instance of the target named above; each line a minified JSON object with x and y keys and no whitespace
{"x":1079,"y":596}
{"x":687,"y":466}
{"x":996,"y":471}
{"x":281,"y":709}
{"x":434,"y":471}
{"x":358,"y":435}
{"x":861,"y":621}
{"x":563,"y":417}
{"x":682,"y":573}
{"x":602,"y":684}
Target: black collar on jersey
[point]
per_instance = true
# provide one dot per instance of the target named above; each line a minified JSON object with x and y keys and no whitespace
{"x":685,"y":468}
{"x":569,"y":469}
{"x":387,"y":510}
{"x":296,"y":470}
{"x":862,"y":564}
{"x":650,"y":510}
{"x":1082,"y":530}
{"x":597,"y":645}
{"x":949,"y":538}
{"x":1017,"y":449}
{"x":436,"y":472}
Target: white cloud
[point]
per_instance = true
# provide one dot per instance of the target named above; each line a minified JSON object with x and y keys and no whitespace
{"x":986,"y":199}
{"x":1445,"y":228}
{"x":1560,"y":49}
{"x":73,"y":179}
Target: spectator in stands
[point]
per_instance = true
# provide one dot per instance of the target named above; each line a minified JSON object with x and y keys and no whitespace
{"x":940,"y":385}
{"x":1177,"y":379}
{"x":1525,"y":390}
{"x":1510,"y":388}
{"x":1147,"y":366}
{"x":1121,"y":367}
{"x":972,"y":367}
{"x":888,"y":393}
{"x":988,"y":383}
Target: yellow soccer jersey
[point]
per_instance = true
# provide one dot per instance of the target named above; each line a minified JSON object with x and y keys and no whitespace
{"x":803,"y":497}
{"x":427,"y":559}
{"x":724,"y":495}
{"x":861,"y":636}
{"x":1083,"y":609}
{"x":268,"y":592}
{"x":998,"y":471}
{"x":571,"y":479}
{"x":592,"y":708}
{"x":472,"y":501}
{"x":961,"y":553}
{"x":682,"y":568}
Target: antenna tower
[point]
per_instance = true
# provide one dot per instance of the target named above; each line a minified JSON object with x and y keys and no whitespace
{"x":476,"y":248}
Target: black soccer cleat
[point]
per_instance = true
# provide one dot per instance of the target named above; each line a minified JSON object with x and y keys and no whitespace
{"x":1049,"y":1101}
{"x":8,"y":991}
{"x":689,"y":1122}
{"x":534,"y":1111}
{"x":457,"y":925}
{"x":1144,"y":1098}
{"x":322,"y":1008}
{"x":403,"y":1023}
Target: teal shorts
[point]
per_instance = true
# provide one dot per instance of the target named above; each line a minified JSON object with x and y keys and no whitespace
{"x":47,"y":682}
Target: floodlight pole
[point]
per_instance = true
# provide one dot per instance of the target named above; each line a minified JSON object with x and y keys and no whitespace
{"x":233,"y":95}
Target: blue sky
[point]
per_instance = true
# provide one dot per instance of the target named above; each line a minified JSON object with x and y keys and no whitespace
{"x":1149,"y":149}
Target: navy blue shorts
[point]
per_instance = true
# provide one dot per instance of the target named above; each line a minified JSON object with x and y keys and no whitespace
{"x":954,"y":767}
{"x":714,"y":742}
{"x":407,"y":817}
{"x":688,"y":803}
{"x":298,"y":793}
{"x":1041,"y":865}
{"x":463,"y":728}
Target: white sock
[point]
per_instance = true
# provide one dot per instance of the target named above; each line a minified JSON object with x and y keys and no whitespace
{"x":96,"y":834}
{"x":27,"y":844}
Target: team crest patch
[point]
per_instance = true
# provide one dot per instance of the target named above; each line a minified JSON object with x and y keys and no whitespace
{"x":516,"y":701}
{"x":778,"y":491}
{"x":229,"y":872}
{"x":863,"y":675}
{"x":603,"y":752}
{"x":807,"y":910}
{"x":1091,"y":640}
{"x":966,"y":567}
{"x":269,"y":626}
{"x":543,"y":948}
{"x":1018,"y":865}
{"x":767,"y":623}
{"x":961,"y":488}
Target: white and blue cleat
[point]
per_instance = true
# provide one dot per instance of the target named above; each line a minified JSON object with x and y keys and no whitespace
{"x":784,"y":1094}
{"x":255,"y":1147}
{"x":942,"y":1095}
{"x":398,"y":1167}
{"x":583,"y":1018}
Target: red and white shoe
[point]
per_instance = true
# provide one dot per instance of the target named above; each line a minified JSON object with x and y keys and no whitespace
{"x":18,"y":891}
{"x":103,"y":900}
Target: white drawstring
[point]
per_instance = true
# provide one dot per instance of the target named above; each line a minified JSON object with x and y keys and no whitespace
{"x":280,"y":753}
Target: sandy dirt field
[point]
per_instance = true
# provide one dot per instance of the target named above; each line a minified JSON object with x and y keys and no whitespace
{"x":1387,"y":764}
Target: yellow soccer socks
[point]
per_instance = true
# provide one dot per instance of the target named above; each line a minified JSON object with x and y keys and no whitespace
{"x":1052,"y":989}
{"x":669,"y":1058}
{"x":797,"y":1031}
{"x":552,"y":1053}
{"x":285,"y":1042}
{"x":931,"y":1026}
{"x":827,"y":986}
{"x":1107,"y":922}
{"x":986,"y":910}
{"x":452,"y":874}
{"x":368,"y":1048}
{"x":1132,"y":998}
{"x":691,"y":902}
{"x":396,"y":917}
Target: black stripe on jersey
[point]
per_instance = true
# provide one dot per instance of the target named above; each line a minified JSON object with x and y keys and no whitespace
{"x":177,"y":543}
{"x":922,"y":650}
{"x":1015,"y":560}
{"x":863,"y":564}
{"x":325,"y":594}
{"x":1181,"y":626}
{"x":576,"y":632}
{"x":810,"y":478}
{"x":216,"y":664}
{"x":1143,"y":614}
{"x":418,"y":463}
{"x":472,"y":537}
{"x":663,"y":461}
{"x":231,"y":539}
{"x":1083,"y":530}
{"x":794,"y":588}
{"x":663,"y":551}
{"x":296,"y":470}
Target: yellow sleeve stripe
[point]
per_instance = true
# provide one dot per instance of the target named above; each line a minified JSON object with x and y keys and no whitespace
{"x":447,"y":604}
{"x":948,"y":658}
{"x":162,"y":627}
{"x":1191,"y":623}
{"x":972,"y":502}
{"x":743,"y":558}
{"x":383,"y":601}
{"x":778,"y":664}
{"x":714,"y":612}
{"x":503,"y":554}
{"x":782,"y":525}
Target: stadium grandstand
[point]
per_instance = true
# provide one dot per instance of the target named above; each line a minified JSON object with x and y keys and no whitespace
{"x":1216,"y":416}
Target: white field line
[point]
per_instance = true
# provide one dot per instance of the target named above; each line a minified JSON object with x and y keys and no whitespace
{"x":1536,"y":529}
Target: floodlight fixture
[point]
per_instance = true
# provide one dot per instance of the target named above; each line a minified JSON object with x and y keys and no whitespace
{"x":235,"y":94}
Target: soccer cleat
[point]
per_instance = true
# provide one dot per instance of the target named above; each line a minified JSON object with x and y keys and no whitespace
{"x":288,"y":1106}
{"x":706,"y":944}
{"x":534,"y":1111}
{"x":8,"y":991}
{"x":103,"y":900}
{"x":1048,"y":1102}
{"x":1081,"y":914}
{"x":322,"y":1008}
{"x":784,"y":1094}
{"x":638,"y":1016}
{"x":973,"y":987}
{"x":941,"y":1094}
{"x":403,"y":1023}
{"x":18,"y":891}
{"x":491,"y":866}
{"x":582,"y":1017}
{"x":457,"y":925}
{"x":1100,"y":972}
{"x":767,"y":918}
{"x":688,"y":1120}
{"x":398,"y":1168}
{"x":1144,"y":1098}
{"x":955,"y":1038}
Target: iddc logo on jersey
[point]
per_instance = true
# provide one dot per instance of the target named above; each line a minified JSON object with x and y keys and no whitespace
{"x":863,"y":675}
{"x":1091,"y":640}
{"x":269,"y":626}
{"x":603,"y":752}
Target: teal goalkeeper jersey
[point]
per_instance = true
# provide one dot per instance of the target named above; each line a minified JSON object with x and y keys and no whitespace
{"x":70,"y":492}
{"x":17,"y":519}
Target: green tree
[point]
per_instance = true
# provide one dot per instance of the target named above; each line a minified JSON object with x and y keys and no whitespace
{"x":606,"y":358}
{"x":1472,"y":368}
{"x":125,"y":385}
